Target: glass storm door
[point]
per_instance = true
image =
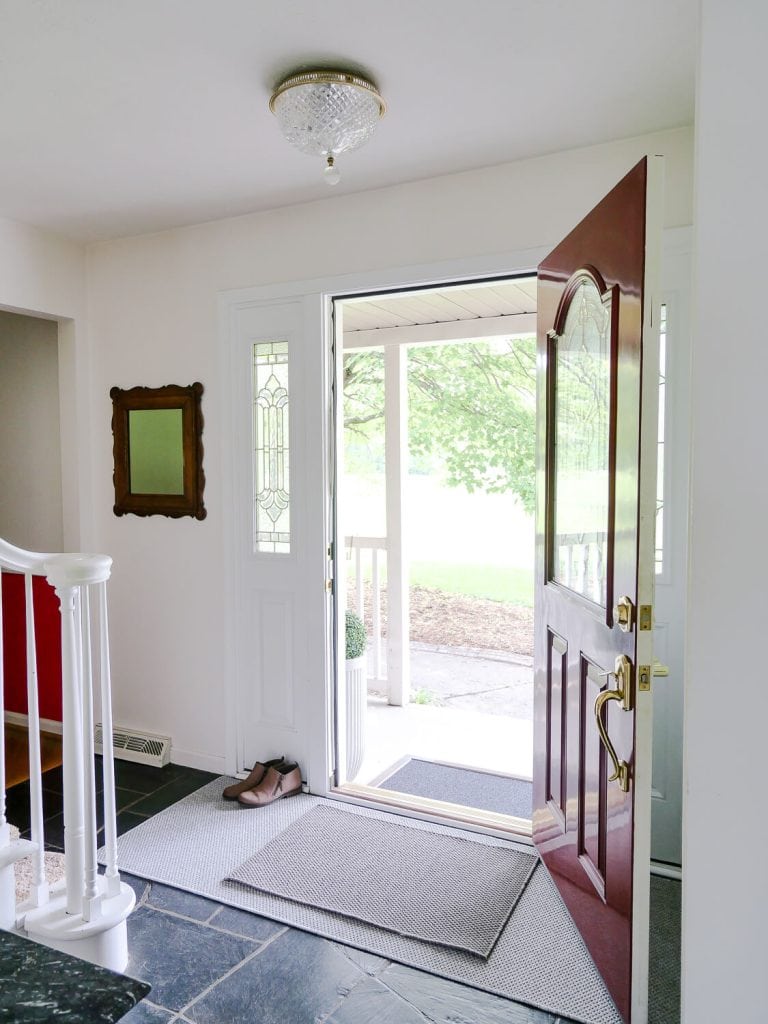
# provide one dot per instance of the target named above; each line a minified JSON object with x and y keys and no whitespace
{"x":598,"y":355}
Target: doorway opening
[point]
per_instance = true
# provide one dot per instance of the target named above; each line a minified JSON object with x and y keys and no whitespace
{"x":31,"y":517}
{"x":435,"y":505}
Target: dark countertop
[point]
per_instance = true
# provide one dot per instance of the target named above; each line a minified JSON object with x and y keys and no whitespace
{"x":38,"y":984}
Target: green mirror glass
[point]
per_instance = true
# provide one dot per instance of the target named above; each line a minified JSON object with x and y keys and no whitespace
{"x":156,"y":451}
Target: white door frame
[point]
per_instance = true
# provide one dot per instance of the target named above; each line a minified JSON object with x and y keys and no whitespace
{"x":316,"y":690}
{"x":313,"y":690}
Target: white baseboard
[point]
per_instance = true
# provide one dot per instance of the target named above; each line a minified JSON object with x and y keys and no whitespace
{"x":193,"y":759}
{"x":186,"y":758}
{"x":46,"y":724}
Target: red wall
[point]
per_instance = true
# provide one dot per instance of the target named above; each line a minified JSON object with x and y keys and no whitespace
{"x":48,"y":645}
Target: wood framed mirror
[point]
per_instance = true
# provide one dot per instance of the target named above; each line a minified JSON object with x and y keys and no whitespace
{"x":158,"y":451}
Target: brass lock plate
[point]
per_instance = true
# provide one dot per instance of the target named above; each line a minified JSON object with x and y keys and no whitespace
{"x":644,"y":678}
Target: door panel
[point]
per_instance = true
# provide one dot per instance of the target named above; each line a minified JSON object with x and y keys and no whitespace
{"x":279,"y":524}
{"x":591,"y":819}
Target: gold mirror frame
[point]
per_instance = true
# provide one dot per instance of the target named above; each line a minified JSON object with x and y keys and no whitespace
{"x":172,"y":396}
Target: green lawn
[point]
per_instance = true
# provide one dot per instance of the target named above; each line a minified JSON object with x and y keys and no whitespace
{"x":498,"y":583}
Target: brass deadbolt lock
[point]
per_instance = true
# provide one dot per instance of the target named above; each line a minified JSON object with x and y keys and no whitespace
{"x":624,"y":614}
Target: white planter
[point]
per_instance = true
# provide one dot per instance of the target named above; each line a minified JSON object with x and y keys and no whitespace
{"x":357,"y":702}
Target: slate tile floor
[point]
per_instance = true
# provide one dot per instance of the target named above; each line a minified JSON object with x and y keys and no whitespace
{"x":212,"y":964}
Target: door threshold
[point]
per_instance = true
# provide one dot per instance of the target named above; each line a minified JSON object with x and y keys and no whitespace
{"x":503,"y":826}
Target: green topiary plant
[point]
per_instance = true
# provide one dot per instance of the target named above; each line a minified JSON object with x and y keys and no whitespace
{"x":354,"y":636}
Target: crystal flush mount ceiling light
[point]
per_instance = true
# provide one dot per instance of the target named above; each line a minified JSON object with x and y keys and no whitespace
{"x":325,"y":113}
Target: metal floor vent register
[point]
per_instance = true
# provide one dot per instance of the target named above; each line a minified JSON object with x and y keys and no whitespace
{"x":130,"y":745}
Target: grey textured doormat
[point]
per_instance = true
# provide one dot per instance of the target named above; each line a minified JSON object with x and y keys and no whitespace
{"x":436,"y":888}
{"x":469,"y":787}
{"x":539,"y":958}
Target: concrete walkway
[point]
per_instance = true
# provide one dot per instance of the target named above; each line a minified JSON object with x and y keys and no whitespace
{"x":492,"y":682}
{"x":473,"y":708}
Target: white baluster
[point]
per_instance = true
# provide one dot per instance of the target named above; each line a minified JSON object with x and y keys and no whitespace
{"x":376,"y":612}
{"x":39,"y":889}
{"x":71,"y":685}
{"x":91,"y":897}
{"x":108,"y":763}
{"x":565,"y":561}
{"x":359,"y":602}
{"x":7,"y":882}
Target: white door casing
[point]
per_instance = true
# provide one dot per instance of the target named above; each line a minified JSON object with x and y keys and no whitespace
{"x":671,"y":583}
{"x":259,"y":591}
{"x":278,"y":605}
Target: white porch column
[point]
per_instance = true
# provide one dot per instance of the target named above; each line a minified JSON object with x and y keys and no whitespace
{"x":396,"y":445}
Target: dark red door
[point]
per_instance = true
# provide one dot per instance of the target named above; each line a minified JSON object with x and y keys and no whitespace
{"x":594,"y":579}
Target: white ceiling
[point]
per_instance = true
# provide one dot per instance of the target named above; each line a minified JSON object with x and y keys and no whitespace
{"x":124,"y":116}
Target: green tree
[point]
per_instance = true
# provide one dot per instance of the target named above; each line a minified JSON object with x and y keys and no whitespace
{"x":471,"y":412}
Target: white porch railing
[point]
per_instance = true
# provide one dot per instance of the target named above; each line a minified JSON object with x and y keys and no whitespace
{"x":86,"y":913}
{"x":581,"y":563}
{"x":389,"y":672}
{"x":366,"y":552}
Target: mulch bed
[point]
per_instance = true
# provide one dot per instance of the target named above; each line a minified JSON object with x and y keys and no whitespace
{"x":453,"y":620}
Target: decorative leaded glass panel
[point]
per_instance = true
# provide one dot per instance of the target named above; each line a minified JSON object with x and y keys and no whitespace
{"x":582,"y":437}
{"x":271,"y":447}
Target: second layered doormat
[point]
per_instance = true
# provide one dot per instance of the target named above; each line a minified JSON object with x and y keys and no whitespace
{"x":539,"y":958}
{"x":454,"y":784}
{"x":436,"y":888}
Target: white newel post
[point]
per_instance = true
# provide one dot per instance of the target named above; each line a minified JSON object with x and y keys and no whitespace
{"x":86,"y":918}
{"x":396,"y":448}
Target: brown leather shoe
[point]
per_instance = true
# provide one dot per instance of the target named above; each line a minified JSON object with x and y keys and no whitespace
{"x":279,"y":781}
{"x":258,"y":772}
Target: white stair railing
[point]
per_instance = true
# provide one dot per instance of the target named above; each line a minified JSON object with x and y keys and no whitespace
{"x":86,"y":914}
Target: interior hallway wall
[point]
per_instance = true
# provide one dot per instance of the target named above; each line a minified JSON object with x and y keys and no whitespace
{"x":725,"y":835}
{"x":153,"y":317}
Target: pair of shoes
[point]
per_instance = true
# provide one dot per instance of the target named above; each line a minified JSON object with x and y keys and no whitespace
{"x":279,"y":781}
{"x":258,"y":772}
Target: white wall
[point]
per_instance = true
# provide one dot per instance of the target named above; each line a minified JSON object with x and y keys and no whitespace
{"x":30,"y":448}
{"x":725,"y":890}
{"x":153,"y":319}
{"x":44,"y":275}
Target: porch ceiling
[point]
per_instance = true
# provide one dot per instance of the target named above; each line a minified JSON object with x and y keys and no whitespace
{"x":440,"y":306}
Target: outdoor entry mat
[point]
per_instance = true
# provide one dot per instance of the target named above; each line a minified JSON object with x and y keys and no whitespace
{"x":470,"y":787}
{"x":436,"y":888}
{"x":539,"y":958}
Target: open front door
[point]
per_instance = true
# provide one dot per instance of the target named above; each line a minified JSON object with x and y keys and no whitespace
{"x":598,"y":356}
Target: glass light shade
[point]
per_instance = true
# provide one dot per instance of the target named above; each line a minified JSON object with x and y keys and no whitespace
{"x":327,"y":112}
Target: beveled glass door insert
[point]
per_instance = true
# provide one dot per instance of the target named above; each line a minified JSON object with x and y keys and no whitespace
{"x":271,"y":456}
{"x":581,"y":418}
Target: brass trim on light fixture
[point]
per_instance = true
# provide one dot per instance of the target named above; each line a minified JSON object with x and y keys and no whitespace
{"x":327,"y":77}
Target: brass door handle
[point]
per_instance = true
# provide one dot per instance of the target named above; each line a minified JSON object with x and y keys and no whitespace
{"x":623,"y":693}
